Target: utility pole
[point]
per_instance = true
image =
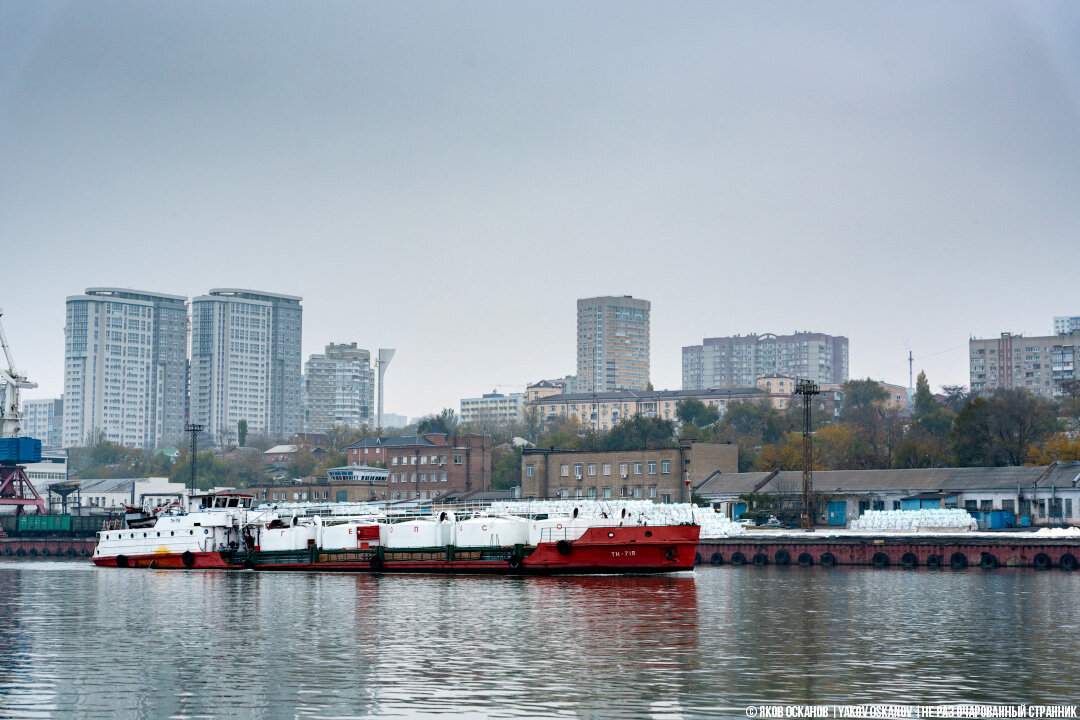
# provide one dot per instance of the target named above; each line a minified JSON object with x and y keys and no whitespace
{"x":193,"y":429}
{"x":910,"y":370}
{"x":808,"y":390}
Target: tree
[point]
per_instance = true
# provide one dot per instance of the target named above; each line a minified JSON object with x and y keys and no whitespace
{"x":241,"y":432}
{"x":969,"y":438}
{"x":1018,"y":420}
{"x":956,"y":396}
{"x":639,"y":433}
{"x":506,"y":469}
{"x":1059,"y":447}
{"x":302,"y":465}
{"x":691,"y":411}
{"x":861,"y":397}
{"x":444,"y":422}
{"x":925,"y":402}
{"x":532,"y":423}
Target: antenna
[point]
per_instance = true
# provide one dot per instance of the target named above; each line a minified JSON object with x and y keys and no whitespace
{"x":383,"y":359}
{"x":910,"y":369}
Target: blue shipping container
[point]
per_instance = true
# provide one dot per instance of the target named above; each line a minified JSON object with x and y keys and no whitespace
{"x":20,"y":450}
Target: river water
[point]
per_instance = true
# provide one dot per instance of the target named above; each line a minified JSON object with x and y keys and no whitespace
{"x":79,"y":641}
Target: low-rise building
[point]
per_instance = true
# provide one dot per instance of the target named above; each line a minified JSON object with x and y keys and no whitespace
{"x":114,"y":494}
{"x":660,"y":475}
{"x":547,"y":388}
{"x":428,"y":466}
{"x":1048,"y":495}
{"x":603,"y":411}
{"x":353,"y":483}
{"x":493,"y":409}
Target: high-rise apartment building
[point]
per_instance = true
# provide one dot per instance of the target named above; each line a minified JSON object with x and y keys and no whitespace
{"x":1037,"y":364}
{"x":1066,"y":324}
{"x":245,"y":362}
{"x":612,"y":344}
{"x":339,"y":388}
{"x":739,"y":360}
{"x":43,"y":418}
{"x":124,"y":367}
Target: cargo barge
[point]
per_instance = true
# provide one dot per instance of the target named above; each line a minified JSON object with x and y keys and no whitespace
{"x":958,"y":551}
{"x":225,"y":533}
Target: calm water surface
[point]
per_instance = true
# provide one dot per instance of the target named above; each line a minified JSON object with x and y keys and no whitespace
{"x":77,"y":641}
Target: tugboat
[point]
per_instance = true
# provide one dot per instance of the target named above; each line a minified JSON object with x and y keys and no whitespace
{"x":225,"y":533}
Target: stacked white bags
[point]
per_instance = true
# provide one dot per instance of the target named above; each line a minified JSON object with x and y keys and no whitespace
{"x":925,"y":519}
{"x":629,"y":512}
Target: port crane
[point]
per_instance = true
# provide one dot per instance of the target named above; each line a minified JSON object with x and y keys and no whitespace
{"x":15,"y":487}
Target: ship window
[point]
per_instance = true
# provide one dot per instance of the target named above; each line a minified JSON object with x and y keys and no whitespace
{"x":171,"y":533}
{"x":190,"y":532}
{"x":144,"y":534}
{"x":159,"y":534}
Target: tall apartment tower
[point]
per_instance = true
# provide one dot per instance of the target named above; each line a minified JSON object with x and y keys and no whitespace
{"x":245,"y":362}
{"x":43,"y":418}
{"x":739,"y":360}
{"x":125,"y":358}
{"x":612,"y":344}
{"x":1037,"y":364}
{"x":339,"y":388}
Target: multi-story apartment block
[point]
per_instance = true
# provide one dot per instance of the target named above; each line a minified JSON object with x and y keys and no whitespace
{"x":544,"y":388}
{"x":493,"y":409}
{"x":739,"y":360}
{"x":430,"y":465}
{"x":612,"y":344}
{"x":339,"y":388}
{"x":245,"y":362}
{"x":43,"y":418}
{"x":661,"y":475}
{"x":124,"y":367}
{"x":1066,"y":324}
{"x":603,"y":411}
{"x":1038,"y":364}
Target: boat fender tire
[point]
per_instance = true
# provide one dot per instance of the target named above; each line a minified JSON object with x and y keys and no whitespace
{"x":19,"y":552}
{"x":33,"y":552}
{"x":958,"y":561}
{"x":1042,"y":562}
{"x":188,"y":559}
{"x":121,"y":561}
{"x":71,"y":552}
{"x":564,"y":547}
{"x":84,"y":552}
{"x":828,"y":560}
{"x":7,"y":551}
{"x":514,"y":562}
{"x":716,"y":559}
{"x":880,"y":560}
{"x":988,"y":562}
{"x":909,"y":561}
{"x":698,"y":559}
{"x":934,"y":561}
{"x":760,"y":559}
{"x":670,"y":553}
{"x":1067,"y":562}
{"x":738,"y":558}
{"x":805,"y":560}
{"x":376,"y":563}
{"x":46,"y":552}
{"x":782,"y":557}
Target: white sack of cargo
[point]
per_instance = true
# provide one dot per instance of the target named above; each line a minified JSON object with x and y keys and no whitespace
{"x":952,"y":519}
{"x":418,"y":534}
{"x":286,"y":538}
{"x":556,"y":529}
{"x":491,"y":532}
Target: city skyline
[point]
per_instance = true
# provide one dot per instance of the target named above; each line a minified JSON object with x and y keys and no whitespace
{"x":744,"y":168}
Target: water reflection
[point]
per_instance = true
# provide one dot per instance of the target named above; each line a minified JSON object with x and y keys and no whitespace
{"x":79,"y":641}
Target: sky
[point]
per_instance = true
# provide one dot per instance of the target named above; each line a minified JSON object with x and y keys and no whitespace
{"x":447,"y":179}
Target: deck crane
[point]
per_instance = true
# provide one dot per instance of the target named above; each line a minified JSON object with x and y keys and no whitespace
{"x":15,"y":487}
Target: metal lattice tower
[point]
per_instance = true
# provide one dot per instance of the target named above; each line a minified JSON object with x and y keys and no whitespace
{"x":808,"y":390}
{"x":193,"y":429}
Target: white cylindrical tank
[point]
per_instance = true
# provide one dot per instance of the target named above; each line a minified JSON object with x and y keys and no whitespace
{"x":339,"y":537}
{"x":491,"y":532}
{"x":418,"y":534}
{"x":286,"y":538}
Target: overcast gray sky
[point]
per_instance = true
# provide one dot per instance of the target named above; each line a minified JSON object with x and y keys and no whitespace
{"x":448,"y":178}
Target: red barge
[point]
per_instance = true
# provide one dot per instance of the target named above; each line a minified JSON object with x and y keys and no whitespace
{"x":225,"y":533}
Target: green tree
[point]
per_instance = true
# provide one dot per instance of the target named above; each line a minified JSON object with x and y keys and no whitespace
{"x":969,"y":438}
{"x":1017,"y":421}
{"x":691,"y":411}
{"x":639,"y":433}
{"x":445,"y":422}
{"x":506,"y":469}
{"x":862,"y":398}
{"x":925,"y":402}
{"x":241,"y":432}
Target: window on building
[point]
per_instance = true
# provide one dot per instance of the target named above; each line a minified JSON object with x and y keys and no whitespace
{"x":577,"y":493}
{"x":564,"y":493}
{"x":564,"y":470}
{"x":606,"y":493}
{"x":393,"y":460}
{"x":442,"y":459}
{"x":423,"y":477}
{"x":577,"y":470}
{"x":665,"y":498}
{"x":1042,"y":508}
{"x":434,"y":459}
{"x":637,"y":491}
{"x":971,"y":505}
{"x":896,"y":505}
{"x":637,"y":468}
{"x":652,"y":467}
{"x":652,"y":492}
{"x":442,"y":477}
{"x":1008,"y":505}
{"x":879,"y":505}
{"x":665,"y":467}
{"x":591,"y":469}
{"x":605,"y":469}
{"x":423,"y":459}
{"x":412,"y":460}
{"x":986,"y":505}
{"x":624,"y":469}
{"x":1068,"y":507}
{"x":458,"y":459}
{"x":530,"y":471}
{"x":592,"y":492}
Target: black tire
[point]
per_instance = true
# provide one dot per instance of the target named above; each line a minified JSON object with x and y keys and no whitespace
{"x":1043,"y":562}
{"x":7,"y":551}
{"x":760,"y":559}
{"x":121,"y":561}
{"x":514,"y":563}
{"x":188,"y":559}
{"x":782,"y":557}
{"x":805,"y":560}
{"x":83,"y":552}
{"x":880,"y":560}
{"x":933,"y":562}
{"x":958,"y":561}
{"x":737,"y":558}
{"x":1067,"y":562}
{"x":20,"y":552}
{"x":909,"y":561}
{"x":988,"y":562}
{"x":716,"y":559}
{"x":564,"y":547}
{"x":71,"y":552}
{"x":698,"y":559}
{"x":32,"y":552}
{"x":46,"y":552}
{"x":828,"y":560}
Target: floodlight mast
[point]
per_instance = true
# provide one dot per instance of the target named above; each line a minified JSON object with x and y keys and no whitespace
{"x":808,"y":390}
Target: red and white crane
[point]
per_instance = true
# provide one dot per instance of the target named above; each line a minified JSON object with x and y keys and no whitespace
{"x":15,"y":487}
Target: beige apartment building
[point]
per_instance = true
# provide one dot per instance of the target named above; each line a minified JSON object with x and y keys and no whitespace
{"x":1036,"y":364}
{"x":612,"y":344}
{"x":660,"y":475}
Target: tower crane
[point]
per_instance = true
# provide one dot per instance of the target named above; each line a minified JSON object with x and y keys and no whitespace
{"x":15,"y":487}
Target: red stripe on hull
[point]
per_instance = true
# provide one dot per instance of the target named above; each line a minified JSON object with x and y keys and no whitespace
{"x":167,"y":561}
